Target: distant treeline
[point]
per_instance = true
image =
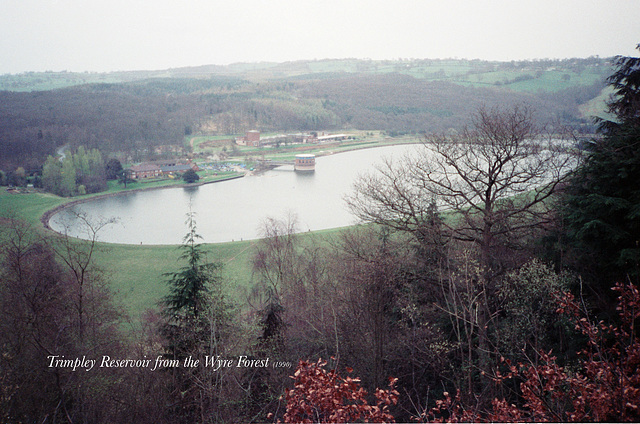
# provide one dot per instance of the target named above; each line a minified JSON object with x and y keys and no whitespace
{"x":150,"y":118}
{"x":478,"y":71}
{"x":484,"y":287}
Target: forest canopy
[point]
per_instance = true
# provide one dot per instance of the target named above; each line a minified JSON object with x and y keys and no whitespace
{"x":141,"y":115}
{"x":480,"y":287}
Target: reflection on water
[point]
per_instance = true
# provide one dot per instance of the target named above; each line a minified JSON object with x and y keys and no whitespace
{"x":233,"y":210}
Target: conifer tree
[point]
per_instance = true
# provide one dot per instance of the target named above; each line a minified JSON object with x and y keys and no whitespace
{"x":196,"y":315}
{"x":602,"y":203}
{"x":190,"y":285}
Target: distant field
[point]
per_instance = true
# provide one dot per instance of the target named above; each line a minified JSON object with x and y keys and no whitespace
{"x":519,"y":76}
{"x":199,"y":142}
{"x":596,"y":107}
{"x":44,"y":81}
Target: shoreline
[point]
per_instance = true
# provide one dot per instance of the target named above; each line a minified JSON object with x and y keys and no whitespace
{"x":46,"y":217}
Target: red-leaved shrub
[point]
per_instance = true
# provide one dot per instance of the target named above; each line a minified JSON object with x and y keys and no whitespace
{"x":605,"y":387}
{"x":321,"y":396}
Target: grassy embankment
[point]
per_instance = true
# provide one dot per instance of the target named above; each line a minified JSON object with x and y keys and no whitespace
{"x":136,"y":272}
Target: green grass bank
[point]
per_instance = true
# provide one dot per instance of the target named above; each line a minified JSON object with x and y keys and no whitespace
{"x":135,"y":272}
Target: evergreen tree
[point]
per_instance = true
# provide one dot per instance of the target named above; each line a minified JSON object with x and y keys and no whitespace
{"x":113,"y":168}
{"x":190,"y":176}
{"x":602,"y":203}
{"x":197,"y":324}
{"x":190,"y":285}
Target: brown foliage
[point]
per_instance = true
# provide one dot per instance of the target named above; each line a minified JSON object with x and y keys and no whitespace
{"x":605,"y":388}
{"x":322,"y":396}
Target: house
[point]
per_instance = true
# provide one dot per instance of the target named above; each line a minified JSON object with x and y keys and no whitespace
{"x":145,"y":170}
{"x":251,"y":138}
{"x":161,"y":169}
{"x":178,"y":168}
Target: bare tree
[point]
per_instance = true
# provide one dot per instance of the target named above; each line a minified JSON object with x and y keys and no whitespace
{"x":493,"y":180}
{"x":55,"y":307}
{"x":274,"y":261}
{"x":367,"y":267}
{"x":295,"y":293}
{"x":32,"y":298}
{"x":496,"y":177}
{"x":78,"y":258}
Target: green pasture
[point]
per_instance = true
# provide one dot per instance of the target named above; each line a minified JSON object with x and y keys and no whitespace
{"x":136,"y":272}
{"x":533,"y":81}
{"x":43,"y":81}
{"x":28,"y":207}
{"x":597,"y":107}
{"x":332,"y":66}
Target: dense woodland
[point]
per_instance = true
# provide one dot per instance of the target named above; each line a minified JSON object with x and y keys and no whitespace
{"x":144,"y":116}
{"x":479,"y":287}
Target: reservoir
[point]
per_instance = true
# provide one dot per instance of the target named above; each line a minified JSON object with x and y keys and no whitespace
{"x":235,"y":209}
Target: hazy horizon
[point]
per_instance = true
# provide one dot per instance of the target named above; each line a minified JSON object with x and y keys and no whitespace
{"x":127,"y":35}
{"x":301,"y":60}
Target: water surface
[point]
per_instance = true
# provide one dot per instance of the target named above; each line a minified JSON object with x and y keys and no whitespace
{"x":232,"y":210}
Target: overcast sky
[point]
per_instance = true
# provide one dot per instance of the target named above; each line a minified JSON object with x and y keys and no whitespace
{"x":110,"y":35}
